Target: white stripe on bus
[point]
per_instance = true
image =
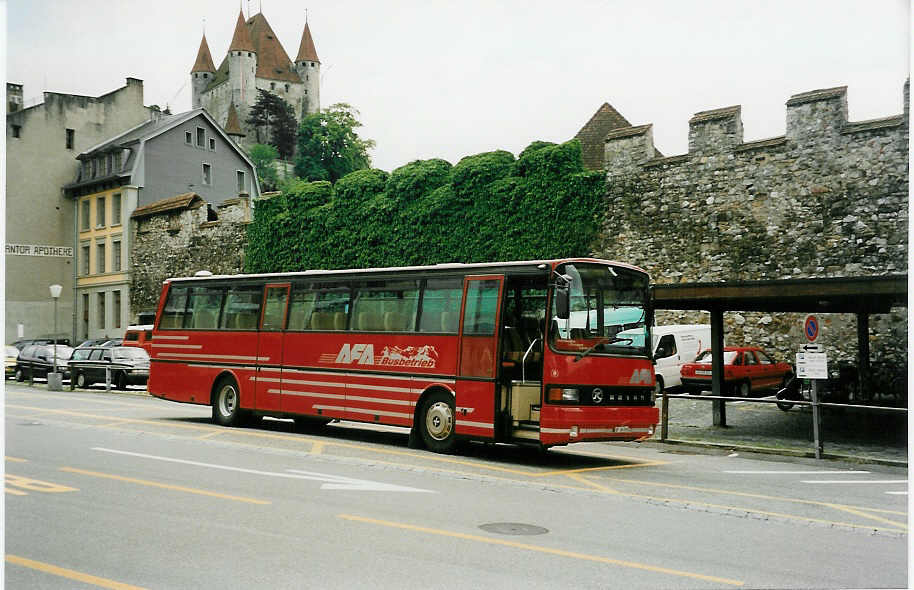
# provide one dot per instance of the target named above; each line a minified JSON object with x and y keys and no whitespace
{"x":158,"y":337}
{"x":184,"y":355}
{"x":197,"y":346}
{"x":475,"y":424}
{"x":307,"y":393}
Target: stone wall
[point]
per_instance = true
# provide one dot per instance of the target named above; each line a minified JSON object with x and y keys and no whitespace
{"x":178,"y":243}
{"x":827,"y":199}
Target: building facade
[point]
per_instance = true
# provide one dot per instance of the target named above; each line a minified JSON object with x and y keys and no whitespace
{"x":255,"y":60}
{"x":161,"y":158}
{"x":42,"y":142}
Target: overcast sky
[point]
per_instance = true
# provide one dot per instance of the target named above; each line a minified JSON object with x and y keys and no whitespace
{"x":436,"y":79}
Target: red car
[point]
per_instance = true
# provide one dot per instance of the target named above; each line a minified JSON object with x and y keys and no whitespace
{"x":746,"y":369}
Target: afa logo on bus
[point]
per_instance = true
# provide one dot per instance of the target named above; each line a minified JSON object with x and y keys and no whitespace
{"x":392,"y":356}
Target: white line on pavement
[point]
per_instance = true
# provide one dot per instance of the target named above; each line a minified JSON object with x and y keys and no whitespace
{"x":897,"y":493}
{"x":792,"y":472}
{"x":880,"y":481}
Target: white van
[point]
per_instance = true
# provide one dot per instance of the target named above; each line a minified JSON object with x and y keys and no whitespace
{"x":673,"y":346}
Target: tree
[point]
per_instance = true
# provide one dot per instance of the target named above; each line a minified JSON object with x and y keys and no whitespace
{"x":328,"y":145}
{"x":274,"y":122}
{"x":264,"y":158}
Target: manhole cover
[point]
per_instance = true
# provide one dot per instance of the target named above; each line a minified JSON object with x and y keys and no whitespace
{"x":513,"y":528}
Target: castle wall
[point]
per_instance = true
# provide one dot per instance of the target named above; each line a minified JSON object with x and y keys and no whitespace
{"x":827,"y":199}
{"x":179,"y":243}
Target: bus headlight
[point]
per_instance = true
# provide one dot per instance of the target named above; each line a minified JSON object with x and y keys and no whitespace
{"x":568,"y":394}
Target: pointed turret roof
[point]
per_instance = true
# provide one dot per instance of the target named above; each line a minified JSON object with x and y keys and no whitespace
{"x":306,"y":51}
{"x":273,"y":62}
{"x":204,"y":61}
{"x":241,"y":40}
{"x":232,"y":127}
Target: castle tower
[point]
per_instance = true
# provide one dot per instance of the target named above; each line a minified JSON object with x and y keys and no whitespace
{"x":308,"y":67}
{"x":202,"y":73}
{"x":242,"y":59}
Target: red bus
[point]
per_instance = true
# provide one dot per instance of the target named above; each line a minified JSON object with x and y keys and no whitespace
{"x":519,"y":352}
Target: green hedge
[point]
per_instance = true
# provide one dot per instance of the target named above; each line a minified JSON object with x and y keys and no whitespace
{"x":488,"y":207}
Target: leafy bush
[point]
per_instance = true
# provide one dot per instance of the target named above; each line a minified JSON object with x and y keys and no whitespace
{"x":488,"y":207}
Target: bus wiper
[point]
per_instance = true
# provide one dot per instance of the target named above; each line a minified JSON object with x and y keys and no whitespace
{"x":582,"y":354}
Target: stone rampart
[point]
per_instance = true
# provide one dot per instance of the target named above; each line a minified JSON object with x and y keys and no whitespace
{"x":827,"y":199}
{"x":180,"y":242}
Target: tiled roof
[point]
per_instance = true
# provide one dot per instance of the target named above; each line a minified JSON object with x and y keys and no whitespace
{"x":185,"y":201}
{"x":594,"y":132}
{"x":272,"y":60}
{"x":306,"y":51}
{"x":232,"y":127}
{"x":204,"y":61}
{"x":241,"y":40}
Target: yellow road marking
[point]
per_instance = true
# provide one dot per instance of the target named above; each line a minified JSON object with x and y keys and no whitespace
{"x":738,"y":508}
{"x":317,"y":448}
{"x":209,"y":434}
{"x":115,"y":423}
{"x":867,"y":515}
{"x":165,"y":486}
{"x":36,"y":485}
{"x":751,"y":495}
{"x":606,"y":468}
{"x":15,"y":492}
{"x":70,"y":574}
{"x":16,"y":459}
{"x":541,"y":549}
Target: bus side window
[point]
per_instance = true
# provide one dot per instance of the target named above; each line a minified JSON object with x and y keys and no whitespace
{"x":242,"y":308}
{"x":300,"y":308}
{"x":388,"y":306}
{"x":441,"y":306}
{"x":175,"y":306}
{"x":203,"y":306}
{"x":332,"y":307}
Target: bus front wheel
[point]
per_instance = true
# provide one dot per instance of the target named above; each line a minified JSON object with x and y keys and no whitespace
{"x":437,"y":422}
{"x":227,"y":403}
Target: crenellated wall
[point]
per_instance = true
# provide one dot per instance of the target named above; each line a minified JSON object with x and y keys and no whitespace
{"x":829,"y":198}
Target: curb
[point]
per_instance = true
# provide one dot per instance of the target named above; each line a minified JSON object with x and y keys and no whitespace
{"x":784,"y":452}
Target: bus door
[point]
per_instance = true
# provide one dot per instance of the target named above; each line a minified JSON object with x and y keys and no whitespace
{"x":269,"y":347}
{"x":478,"y":355}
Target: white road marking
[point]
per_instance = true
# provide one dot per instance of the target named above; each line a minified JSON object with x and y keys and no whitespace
{"x":792,"y":472}
{"x":334,"y":482}
{"x":897,"y":493}
{"x":880,"y":481}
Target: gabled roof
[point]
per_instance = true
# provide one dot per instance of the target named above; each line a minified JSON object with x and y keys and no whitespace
{"x":232,"y":127}
{"x":594,"y":131}
{"x":241,"y":40}
{"x":272,"y":60}
{"x":204,"y":61}
{"x":185,"y":201}
{"x":306,"y":50}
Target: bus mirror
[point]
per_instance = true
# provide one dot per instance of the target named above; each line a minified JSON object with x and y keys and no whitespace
{"x":562,"y":307}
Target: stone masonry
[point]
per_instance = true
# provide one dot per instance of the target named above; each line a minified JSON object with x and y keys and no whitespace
{"x":179,"y":236}
{"x":827,"y":199}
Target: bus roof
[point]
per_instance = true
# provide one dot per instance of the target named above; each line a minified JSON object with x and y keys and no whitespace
{"x":529,"y":266}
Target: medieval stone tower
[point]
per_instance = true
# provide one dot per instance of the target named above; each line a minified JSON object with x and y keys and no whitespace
{"x":255,"y":60}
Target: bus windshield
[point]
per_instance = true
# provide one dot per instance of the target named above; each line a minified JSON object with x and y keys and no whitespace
{"x":605,"y":301}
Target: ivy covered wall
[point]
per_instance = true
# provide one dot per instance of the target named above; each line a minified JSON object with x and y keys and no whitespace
{"x":487,"y":207}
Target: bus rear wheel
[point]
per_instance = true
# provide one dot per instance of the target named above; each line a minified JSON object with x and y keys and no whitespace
{"x":227,"y":403}
{"x":436,"y":422}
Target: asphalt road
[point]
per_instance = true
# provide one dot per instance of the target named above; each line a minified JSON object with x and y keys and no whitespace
{"x":120,"y":491}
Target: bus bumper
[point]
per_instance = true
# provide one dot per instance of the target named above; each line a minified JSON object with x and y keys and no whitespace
{"x":563,"y":425}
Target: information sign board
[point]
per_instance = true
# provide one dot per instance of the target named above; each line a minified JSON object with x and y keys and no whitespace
{"x":812,"y":365}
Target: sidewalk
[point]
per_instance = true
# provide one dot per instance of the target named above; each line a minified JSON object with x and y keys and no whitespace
{"x":852,"y":435}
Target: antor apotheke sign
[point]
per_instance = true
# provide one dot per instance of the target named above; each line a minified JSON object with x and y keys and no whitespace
{"x":39,"y":250}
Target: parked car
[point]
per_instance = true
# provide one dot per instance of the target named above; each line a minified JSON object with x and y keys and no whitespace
{"x":746,"y":369}
{"x":93,"y":342}
{"x":128,"y":365}
{"x":12,"y":353}
{"x":113,"y":342}
{"x":23,"y":342}
{"x":37,"y":360}
{"x":672,"y":346}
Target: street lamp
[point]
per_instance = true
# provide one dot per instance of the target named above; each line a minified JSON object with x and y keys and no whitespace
{"x":55,"y":379}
